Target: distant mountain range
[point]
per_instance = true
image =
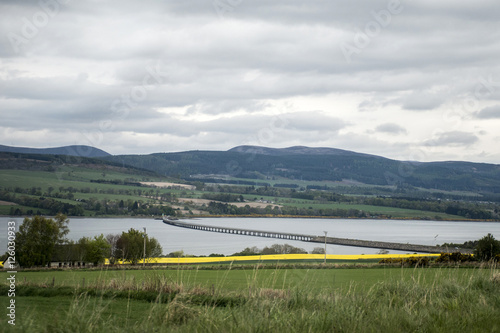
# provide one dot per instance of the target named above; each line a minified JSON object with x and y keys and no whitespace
{"x":75,"y":150}
{"x":300,"y":163}
{"x":317,"y":164}
{"x":296,"y":150}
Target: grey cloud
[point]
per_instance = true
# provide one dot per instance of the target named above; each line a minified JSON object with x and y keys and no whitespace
{"x":421,"y":105}
{"x":226,"y":106}
{"x":57,"y":88}
{"x":421,"y":101}
{"x":249,"y":127}
{"x":296,"y":122}
{"x":455,"y":138}
{"x":244,"y":124}
{"x":231,"y":68}
{"x":313,"y":121}
{"x":491,"y":112}
{"x":155,"y":124}
{"x":371,"y":145}
{"x":365,"y":106}
{"x":6,"y":50}
{"x":291,"y":11}
{"x":390,"y":128}
{"x":480,"y":10}
{"x":331,"y":13}
{"x":270,"y":44}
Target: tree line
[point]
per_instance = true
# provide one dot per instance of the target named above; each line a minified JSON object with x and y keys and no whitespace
{"x":98,"y":206}
{"x":470,"y":210}
{"x":277,"y":249}
{"x":220,"y":208}
{"x":41,"y":240}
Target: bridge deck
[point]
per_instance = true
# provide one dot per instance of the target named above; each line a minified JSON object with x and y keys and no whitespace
{"x":310,"y":238}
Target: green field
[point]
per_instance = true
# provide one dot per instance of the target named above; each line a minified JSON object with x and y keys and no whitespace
{"x":81,"y":183}
{"x":260,"y":276}
{"x":77,"y":177}
{"x":388,"y":211}
{"x":92,"y":189}
{"x":257,"y":299}
{"x":5,"y":209}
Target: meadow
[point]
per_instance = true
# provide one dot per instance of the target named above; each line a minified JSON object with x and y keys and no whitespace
{"x":257,"y":298}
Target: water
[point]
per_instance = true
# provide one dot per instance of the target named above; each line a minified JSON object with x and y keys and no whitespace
{"x":198,"y":242}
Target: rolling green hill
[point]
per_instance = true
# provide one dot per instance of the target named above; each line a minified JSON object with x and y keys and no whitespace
{"x":295,"y":181}
{"x":319,"y":164}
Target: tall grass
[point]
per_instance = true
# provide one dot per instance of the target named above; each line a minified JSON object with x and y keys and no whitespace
{"x":447,"y":303}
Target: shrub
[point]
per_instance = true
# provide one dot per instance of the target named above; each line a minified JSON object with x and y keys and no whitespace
{"x":454,"y":257}
{"x":410,"y":261}
{"x":487,"y":248}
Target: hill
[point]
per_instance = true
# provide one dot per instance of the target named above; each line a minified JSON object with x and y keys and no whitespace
{"x":51,"y":163}
{"x":293,"y":163}
{"x":34,"y":184}
{"x":295,"y":150}
{"x":74,"y":150}
{"x":282,"y":182}
{"x":319,"y":164}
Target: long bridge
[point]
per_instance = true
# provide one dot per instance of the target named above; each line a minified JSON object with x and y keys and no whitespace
{"x":310,"y":238}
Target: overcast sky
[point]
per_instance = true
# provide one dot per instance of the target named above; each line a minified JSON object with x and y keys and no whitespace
{"x":409,"y":80}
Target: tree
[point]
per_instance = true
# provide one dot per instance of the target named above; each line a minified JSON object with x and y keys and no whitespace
{"x":248,"y":251}
{"x":318,"y":250}
{"x":283,"y":249}
{"x":153,"y":248}
{"x":487,"y":248}
{"x":112,"y":240}
{"x":94,"y":250}
{"x":130,"y":246}
{"x":37,"y":238}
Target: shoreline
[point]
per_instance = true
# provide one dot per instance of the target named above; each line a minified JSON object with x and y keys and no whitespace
{"x":191,"y":217}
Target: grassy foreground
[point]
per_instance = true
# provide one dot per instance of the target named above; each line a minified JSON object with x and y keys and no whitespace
{"x":257,"y":298}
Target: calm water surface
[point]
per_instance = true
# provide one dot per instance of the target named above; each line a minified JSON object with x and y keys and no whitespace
{"x":203,"y":243}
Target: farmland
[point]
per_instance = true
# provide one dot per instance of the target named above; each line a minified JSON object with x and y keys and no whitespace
{"x":77,"y":186}
{"x":104,"y":191}
{"x":259,"y":298}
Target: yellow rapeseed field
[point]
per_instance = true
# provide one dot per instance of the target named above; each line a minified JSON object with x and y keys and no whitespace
{"x":200,"y":260}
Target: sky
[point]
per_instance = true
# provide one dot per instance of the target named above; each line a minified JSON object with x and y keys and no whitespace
{"x":408,"y":80}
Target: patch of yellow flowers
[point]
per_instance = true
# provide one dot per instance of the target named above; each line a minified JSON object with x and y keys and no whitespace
{"x":275,"y":257}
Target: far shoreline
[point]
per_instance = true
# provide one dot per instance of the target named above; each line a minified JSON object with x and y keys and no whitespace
{"x":262,"y":216}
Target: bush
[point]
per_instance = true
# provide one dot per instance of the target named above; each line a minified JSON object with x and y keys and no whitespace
{"x":410,"y":261}
{"x":487,"y":248}
{"x":454,"y":257}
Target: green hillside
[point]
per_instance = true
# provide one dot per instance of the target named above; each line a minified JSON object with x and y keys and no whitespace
{"x":292,"y":182}
{"x":320,"y":164}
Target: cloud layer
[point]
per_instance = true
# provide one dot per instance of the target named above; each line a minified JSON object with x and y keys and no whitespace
{"x":407,"y":80}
